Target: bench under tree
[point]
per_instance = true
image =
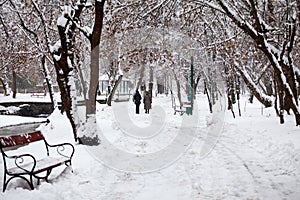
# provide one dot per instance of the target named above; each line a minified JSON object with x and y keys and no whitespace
{"x":28,"y":166}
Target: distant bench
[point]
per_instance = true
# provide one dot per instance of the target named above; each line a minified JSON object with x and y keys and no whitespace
{"x":26,"y":166}
{"x":178,"y":109}
{"x":37,"y":95}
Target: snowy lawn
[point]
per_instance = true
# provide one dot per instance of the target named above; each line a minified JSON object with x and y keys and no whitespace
{"x":171,"y":157}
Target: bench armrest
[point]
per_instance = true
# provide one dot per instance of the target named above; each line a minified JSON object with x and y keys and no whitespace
{"x":25,"y":162}
{"x":63,"y":149}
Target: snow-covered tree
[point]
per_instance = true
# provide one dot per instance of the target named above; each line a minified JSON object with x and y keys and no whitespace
{"x":272,"y":27}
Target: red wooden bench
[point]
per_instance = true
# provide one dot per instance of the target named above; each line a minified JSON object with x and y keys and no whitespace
{"x":28,"y":166}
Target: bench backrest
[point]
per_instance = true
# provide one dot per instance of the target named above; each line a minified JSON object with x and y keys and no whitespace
{"x":20,"y":140}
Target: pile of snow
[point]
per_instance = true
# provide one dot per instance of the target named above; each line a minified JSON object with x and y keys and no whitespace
{"x":9,"y":110}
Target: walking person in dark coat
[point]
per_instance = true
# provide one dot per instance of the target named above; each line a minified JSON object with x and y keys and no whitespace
{"x":137,"y":100}
{"x":147,"y":101}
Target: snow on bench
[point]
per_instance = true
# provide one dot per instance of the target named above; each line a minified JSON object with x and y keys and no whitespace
{"x":26,"y":166}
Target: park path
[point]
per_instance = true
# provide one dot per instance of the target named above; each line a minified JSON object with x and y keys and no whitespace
{"x":244,"y":158}
{"x":244,"y":163}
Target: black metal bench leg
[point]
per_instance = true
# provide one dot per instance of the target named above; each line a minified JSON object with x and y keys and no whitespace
{"x":45,"y":177}
{"x":48,"y":173}
{"x":30,"y":182}
{"x":69,"y":165}
{"x":4,"y":183}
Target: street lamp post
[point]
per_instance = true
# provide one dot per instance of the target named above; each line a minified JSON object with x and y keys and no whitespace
{"x":189,"y":109}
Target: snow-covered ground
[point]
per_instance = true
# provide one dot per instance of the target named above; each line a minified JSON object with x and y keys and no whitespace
{"x":28,"y":97}
{"x":171,"y":157}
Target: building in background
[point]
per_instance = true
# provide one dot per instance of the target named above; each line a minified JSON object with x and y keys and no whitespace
{"x":105,"y":86}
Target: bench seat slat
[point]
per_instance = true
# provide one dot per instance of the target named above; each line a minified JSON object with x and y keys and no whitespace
{"x":41,"y":165}
{"x":15,"y":140}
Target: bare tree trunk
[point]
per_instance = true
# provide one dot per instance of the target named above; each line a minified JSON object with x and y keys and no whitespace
{"x":14,"y":86}
{"x":196,"y":85}
{"x":66,"y":100}
{"x":250,"y":84}
{"x":48,"y":81}
{"x":112,"y":93}
{"x":140,"y":81}
{"x":4,"y":87}
{"x":230,"y":93}
{"x":151,"y":82}
{"x":230,"y":104}
{"x":276,"y":98}
{"x":4,"y":81}
{"x":178,"y":89}
{"x":63,"y":80}
{"x":238,"y":91}
{"x":63,"y":70}
{"x":90,"y":137}
{"x":95,"y":49}
{"x":93,"y":85}
{"x":208,"y":97}
{"x":287,"y":92}
{"x":281,"y":101}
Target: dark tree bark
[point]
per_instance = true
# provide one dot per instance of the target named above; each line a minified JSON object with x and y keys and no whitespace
{"x":90,"y":137}
{"x":250,"y":84}
{"x":276,"y":98}
{"x":4,"y":85}
{"x":112,"y":93}
{"x":238,"y":91}
{"x":151,"y":82}
{"x":14,"y":86}
{"x":95,"y":49}
{"x":208,"y":97}
{"x":62,"y":67}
